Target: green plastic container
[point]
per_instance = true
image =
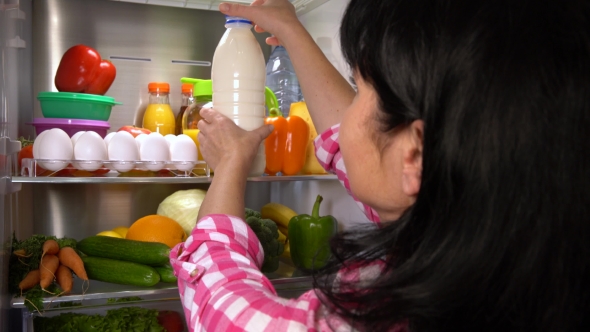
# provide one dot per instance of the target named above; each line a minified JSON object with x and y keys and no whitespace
{"x":68,"y":105}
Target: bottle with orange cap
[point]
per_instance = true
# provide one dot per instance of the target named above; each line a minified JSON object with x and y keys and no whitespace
{"x":158,"y":115}
{"x":186,"y":101}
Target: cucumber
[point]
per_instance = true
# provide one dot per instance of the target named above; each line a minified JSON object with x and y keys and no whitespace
{"x":120,"y":272}
{"x":149,"y":253}
{"x":166,"y":273}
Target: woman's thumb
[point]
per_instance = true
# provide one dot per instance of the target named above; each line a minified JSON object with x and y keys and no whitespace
{"x":264,"y":131}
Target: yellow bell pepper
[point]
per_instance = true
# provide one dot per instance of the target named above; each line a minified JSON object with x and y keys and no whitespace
{"x":311,"y":166}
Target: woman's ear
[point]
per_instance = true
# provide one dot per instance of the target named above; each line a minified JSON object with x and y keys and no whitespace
{"x":412,"y":162}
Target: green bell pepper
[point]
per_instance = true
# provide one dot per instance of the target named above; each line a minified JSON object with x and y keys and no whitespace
{"x":309,"y":238}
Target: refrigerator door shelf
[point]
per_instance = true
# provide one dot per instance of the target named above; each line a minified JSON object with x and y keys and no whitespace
{"x":287,"y":282}
{"x":112,"y":168}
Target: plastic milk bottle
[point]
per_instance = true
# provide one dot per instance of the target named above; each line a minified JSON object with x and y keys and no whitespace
{"x":238,"y":76}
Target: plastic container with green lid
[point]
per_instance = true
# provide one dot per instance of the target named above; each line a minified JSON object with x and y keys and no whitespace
{"x":70,"y":105}
{"x":202,"y":93}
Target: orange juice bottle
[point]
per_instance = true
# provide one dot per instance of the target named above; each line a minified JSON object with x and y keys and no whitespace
{"x":158,"y":116}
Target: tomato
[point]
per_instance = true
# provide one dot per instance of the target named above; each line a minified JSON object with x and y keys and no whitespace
{"x":81,"y":69}
{"x":171,"y":321}
{"x":103,"y":79}
{"x":27,"y":152}
{"x":135,"y":131}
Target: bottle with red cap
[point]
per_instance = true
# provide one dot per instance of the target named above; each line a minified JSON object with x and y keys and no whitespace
{"x":187,"y":100}
{"x":158,"y":115}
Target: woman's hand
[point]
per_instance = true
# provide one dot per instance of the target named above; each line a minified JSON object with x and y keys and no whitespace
{"x":276,"y":17}
{"x":222,"y":141}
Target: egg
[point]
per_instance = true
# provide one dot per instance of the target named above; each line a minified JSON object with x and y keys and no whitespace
{"x":154,"y":151}
{"x":56,"y":147}
{"x":123,"y":152}
{"x":139,"y":139}
{"x":169,"y":139}
{"x":183,"y":151}
{"x":91,"y":149}
{"x":76,"y":136}
{"x":108,"y":138}
{"x":37,"y":144}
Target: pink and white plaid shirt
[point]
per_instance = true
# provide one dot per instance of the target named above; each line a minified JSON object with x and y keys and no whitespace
{"x":219,"y":278}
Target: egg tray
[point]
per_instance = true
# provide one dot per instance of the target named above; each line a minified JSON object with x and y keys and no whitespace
{"x":106,"y":168}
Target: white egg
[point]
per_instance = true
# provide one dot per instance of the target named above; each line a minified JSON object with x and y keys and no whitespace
{"x":169,"y":139}
{"x":123,"y":152}
{"x":90,"y":148}
{"x":76,"y":136}
{"x":108,"y":138}
{"x":56,"y":147}
{"x":154,"y":150}
{"x":139,"y":139}
{"x":184,"y":152}
{"x":37,"y":144}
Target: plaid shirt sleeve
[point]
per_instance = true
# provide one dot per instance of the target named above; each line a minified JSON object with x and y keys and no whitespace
{"x":327,"y":150}
{"x":222,"y":289}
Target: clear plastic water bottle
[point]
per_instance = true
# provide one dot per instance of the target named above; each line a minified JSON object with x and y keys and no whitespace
{"x":281,"y":79}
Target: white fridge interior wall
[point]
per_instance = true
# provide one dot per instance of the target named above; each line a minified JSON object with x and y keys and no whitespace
{"x":323,"y":23}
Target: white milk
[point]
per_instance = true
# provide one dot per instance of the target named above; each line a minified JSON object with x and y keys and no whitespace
{"x":238,"y":75}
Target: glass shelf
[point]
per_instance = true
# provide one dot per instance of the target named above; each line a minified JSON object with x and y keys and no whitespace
{"x":72,"y":171}
{"x":287,"y":281}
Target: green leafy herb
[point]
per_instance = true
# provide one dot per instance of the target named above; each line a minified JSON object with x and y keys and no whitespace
{"x":124,"y":299}
{"x":117,"y":320}
{"x":26,"y":256}
{"x":69,"y":304}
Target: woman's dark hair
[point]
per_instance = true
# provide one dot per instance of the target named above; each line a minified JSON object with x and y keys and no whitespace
{"x":499,"y":236}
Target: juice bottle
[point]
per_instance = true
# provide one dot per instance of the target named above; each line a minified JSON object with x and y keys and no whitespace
{"x":158,"y":116}
{"x":238,"y":74}
{"x":186,"y":101}
{"x":201,"y":96}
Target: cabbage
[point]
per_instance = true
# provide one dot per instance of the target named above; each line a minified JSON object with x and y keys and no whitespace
{"x":183,"y":206}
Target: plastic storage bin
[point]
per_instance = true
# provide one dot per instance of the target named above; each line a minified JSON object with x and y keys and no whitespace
{"x":71,"y":126}
{"x":68,"y":105}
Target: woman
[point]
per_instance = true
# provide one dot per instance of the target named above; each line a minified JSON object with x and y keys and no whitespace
{"x":468,"y":138}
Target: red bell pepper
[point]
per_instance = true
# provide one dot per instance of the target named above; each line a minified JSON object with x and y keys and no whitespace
{"x":103,"y":79}
{"x":81,"y":69}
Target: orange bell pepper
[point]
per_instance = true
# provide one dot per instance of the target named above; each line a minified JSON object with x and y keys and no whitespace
{"x":285,"y":147}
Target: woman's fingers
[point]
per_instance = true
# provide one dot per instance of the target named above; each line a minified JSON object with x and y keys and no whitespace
{"x":273,"y":16}
{"x":272,"y":40}
{"x":207,"y":114}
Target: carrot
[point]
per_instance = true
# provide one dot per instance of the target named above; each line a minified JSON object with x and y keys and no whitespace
{"x":21,"y":253}
{"x":64,"y":279}
{"x":50,"y":247}
{"x":49,"y":265}
{"x":31,"y":279}
{"x":70,"y":258}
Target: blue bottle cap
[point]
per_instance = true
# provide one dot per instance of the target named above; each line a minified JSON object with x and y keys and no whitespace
{"x":235,"y":19}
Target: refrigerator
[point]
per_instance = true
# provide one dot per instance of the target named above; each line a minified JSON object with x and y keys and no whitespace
{"x":148,"y":41}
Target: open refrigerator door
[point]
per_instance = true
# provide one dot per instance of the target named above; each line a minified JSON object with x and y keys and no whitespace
{"x":11,"y":21}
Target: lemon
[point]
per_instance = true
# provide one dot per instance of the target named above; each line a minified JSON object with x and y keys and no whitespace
{"x":109,"y":233}
{"x":121,"y":230}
